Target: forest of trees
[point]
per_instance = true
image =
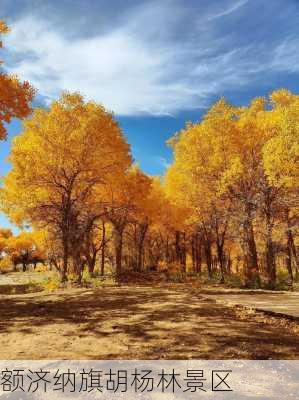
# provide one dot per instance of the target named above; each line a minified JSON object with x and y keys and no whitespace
{"x":228,"y":204}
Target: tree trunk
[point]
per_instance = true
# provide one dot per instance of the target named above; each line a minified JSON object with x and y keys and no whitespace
{"x":79,"y":268}
{"x":193,"y":253}
{"x":91,"y":264}
{"x":292,"y":246}
{"x":294,"y":252}
{"x":118,"y":245}
{"x":289,"y":238}
{"x":289,"y":260}
{"x":177,"y":246}
{"x":252,"y":278}
{"x":103,"y":260}
{"x":183,"y":255}
{"x":64,"y":269}
{"x":103,"y":249}
{"x":220,"y":239}
{"x":197,"y":253}
{"x":220,"y":256}
{"x":208,"y":254}
{"x":270,"y":256}
{"x":167,"y":253}
{"x":139,"y":257}
{"x":229,"y":264}
{"x":142,"y":234}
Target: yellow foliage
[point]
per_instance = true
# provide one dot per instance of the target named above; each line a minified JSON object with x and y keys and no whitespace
{"x":22,"y":243}
{"x":281,"y":152}
{"x":65,"y":154}
{"x":5,"y":263}
{"x":230,"y":148}
{"x":15,"y":95}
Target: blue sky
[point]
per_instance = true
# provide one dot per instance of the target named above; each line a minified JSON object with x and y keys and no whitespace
{"x":155,"y":64}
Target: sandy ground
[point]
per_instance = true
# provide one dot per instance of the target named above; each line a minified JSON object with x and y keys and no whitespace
{"x":285,"y":304}
{"x":134,"y":323}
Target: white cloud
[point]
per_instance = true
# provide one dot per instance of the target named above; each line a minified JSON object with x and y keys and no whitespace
{"x":135,"y":67}
{"x":229,"y":10}
{"x":117,"y":69}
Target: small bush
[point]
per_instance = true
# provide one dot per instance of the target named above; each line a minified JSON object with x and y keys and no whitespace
{"x":100,"y":282}
{"x":86,"y":278}
{"x":50,"y":283}
{"x":41,"y":268}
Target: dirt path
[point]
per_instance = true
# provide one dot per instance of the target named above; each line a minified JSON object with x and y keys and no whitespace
{"x":134,"y":323}
{"x":285,"y":304}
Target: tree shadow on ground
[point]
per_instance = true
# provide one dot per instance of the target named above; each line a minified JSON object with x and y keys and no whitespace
{"x":134,"y":323}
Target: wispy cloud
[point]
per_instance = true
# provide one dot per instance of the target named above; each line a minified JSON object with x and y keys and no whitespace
{"x":144,"y":64}
{"x":286,"y":55}
{"x":227,"y":10}
{"x":162,"y":162}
